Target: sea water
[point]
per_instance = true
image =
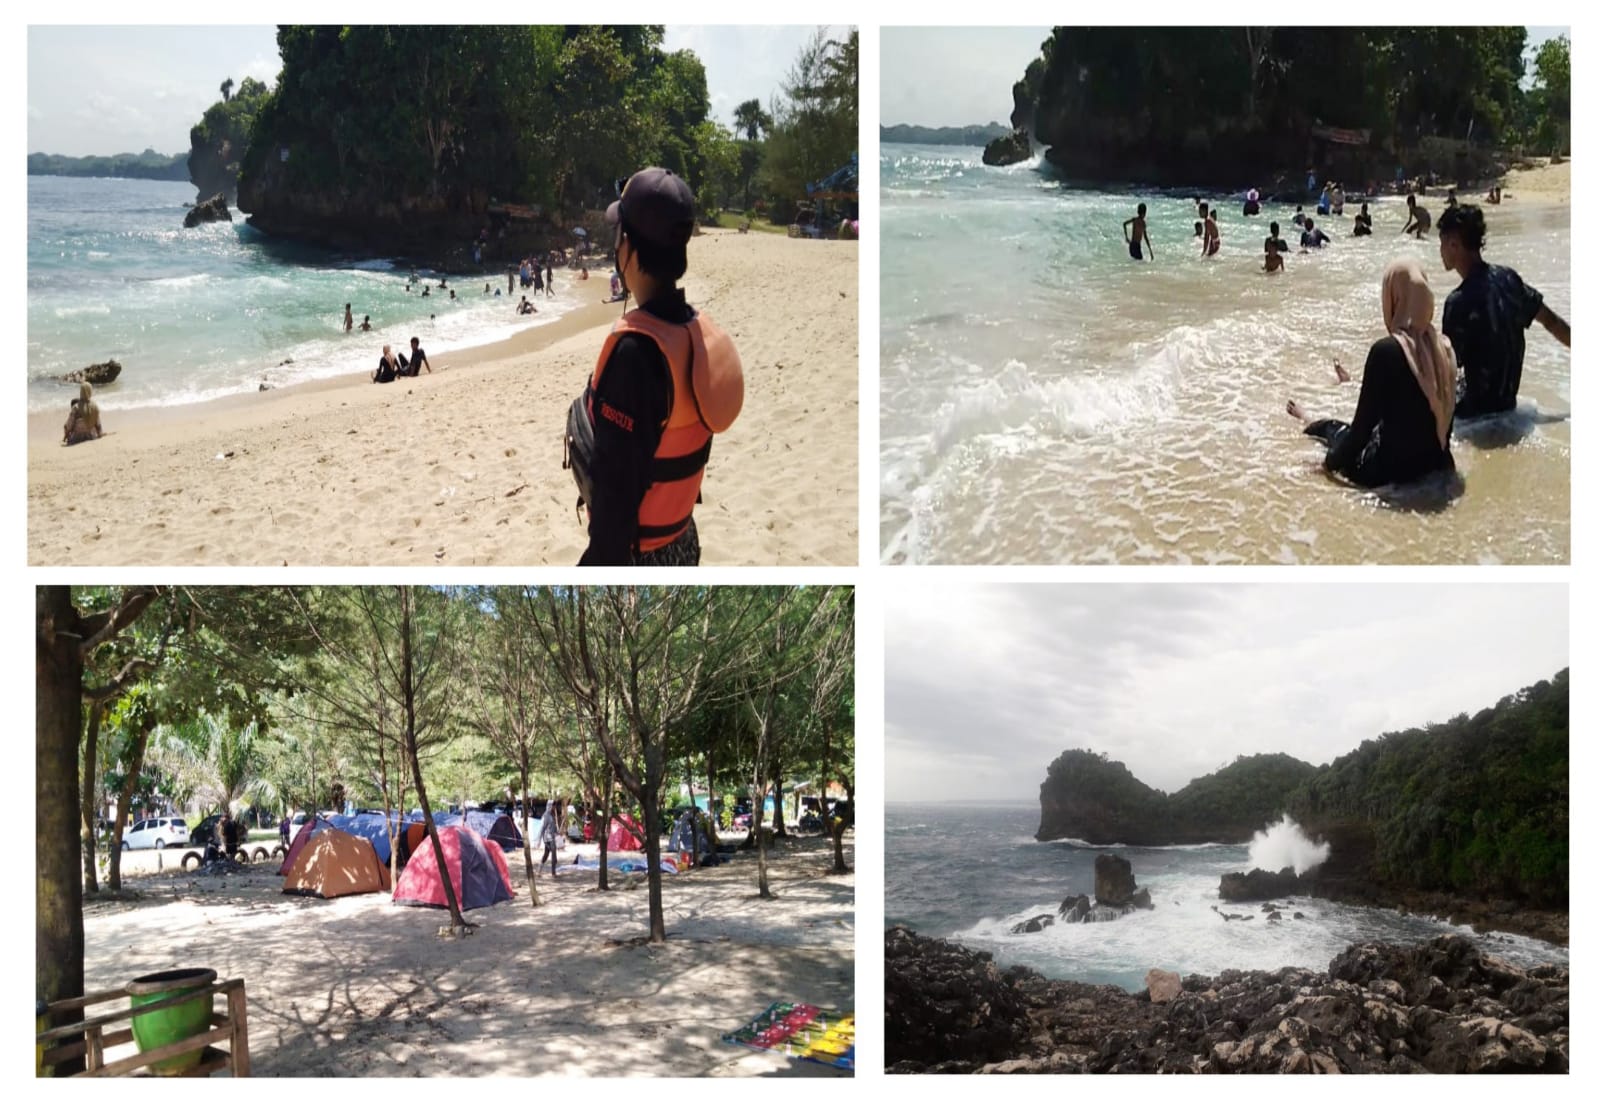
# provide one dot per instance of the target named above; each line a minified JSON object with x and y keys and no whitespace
{"x":194,"y":314}
{"x":971,"y":872}
{"x":1046,"y":399}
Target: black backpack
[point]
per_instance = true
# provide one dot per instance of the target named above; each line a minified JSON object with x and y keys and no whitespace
{"x":577,"y":455}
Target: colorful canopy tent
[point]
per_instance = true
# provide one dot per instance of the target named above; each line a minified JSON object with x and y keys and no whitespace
{"x":478,"y":872}
{"x":370,"y":825}
{"x":626,"y":836}
{"x":334,"y":863}
{"x":499,"y":827}
{"x":301,"y":840}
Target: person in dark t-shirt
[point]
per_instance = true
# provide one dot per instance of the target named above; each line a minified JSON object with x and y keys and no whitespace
{"x":1274,"y":241}
{"x":1486,"y":315}
{"x":1313,"y":238}
{"x":419,"y":359}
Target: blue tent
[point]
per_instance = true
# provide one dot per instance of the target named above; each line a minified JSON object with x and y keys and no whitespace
{"x":493,"y":825}
{"x":367,"y":824}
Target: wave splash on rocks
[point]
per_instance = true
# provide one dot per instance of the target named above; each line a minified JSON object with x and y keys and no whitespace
{"x":1443,"y":1007}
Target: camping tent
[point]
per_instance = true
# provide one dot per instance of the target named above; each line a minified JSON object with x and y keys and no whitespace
{"x":369,"y":824}
{"x":478,"y":872}
{"x":300,"y":841}
{"x":334,"y":863}
{"x":689,"y":835}
{"x":626,"y":836}
{"x":499,"y":827}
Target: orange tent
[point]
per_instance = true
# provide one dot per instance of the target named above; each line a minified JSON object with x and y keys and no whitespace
{"x":336,"y":863}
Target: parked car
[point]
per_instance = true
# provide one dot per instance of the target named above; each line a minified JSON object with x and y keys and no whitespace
{"x":156,"y":833}
{"x":202,"y":832}
{"x":300,"y":819}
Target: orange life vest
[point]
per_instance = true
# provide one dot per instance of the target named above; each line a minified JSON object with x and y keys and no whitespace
{"x":707,"y":393}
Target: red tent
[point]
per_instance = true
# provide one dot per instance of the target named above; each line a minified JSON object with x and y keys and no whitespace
{"x":478,"y":872}
{"x":626,"y":836}
{"x":301,"y":840}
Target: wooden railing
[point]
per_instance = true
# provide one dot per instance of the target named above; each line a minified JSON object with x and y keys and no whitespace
{"x":86,"y":1041}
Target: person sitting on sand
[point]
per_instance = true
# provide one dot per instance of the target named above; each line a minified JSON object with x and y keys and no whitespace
{"x":1363,"y":222}
{"x":1486,"y":315}
{"x":419,"y":359}
{"x":390,"y":366}
{"x":667,"y":379}
{"x":348,"y":323}
{"x":1275,"y":240}
{"x":1401,"y":428}
{"x":1274,"y":261}
{"x":1141,"y":231}
{"x":1313,"y":238}
{"x":1211,"y":242}
{"x":1420,"y":221}
{"x":83,"y":418}
{"x":366,"y":323}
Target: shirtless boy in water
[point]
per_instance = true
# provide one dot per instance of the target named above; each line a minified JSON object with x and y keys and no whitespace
{"x":1420,"y":221}
{"x":1212,"y":241}
{"x":1140,"y":231}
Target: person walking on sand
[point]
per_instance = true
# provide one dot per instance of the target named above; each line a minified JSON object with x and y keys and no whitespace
{"x":1141,"y":231}
{"x":1419,"y":221}
{"x":1486,"y":315}
{"x":83,"y":418}
{"x":547,"y":836}
{"x":349,"y":322}
{"x":666,"y":381}
{"x":1401,"y":428}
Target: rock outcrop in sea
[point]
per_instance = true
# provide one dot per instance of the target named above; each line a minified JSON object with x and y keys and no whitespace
{"x":208,"y":211}
{"x":1116,"y":893}
{"x":1008,"y":150}
{"x":1443,"y":1006}
{"x":96,"y":374}
{"x":1258,"y":884}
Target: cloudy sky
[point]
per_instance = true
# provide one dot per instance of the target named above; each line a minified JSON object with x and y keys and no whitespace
{"x":985,"y":685}
{"x":106,"y":90}
{"x":952,"y":76}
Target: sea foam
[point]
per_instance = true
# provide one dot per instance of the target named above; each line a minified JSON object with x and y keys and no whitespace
{"x":1283,"y":844}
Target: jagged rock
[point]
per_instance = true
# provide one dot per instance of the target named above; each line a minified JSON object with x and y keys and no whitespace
{"x":1258,"y":884}
{"x":208,"y":211}
{"x":945,"y":1003}
{"x":1141,"y":899}
{"x":1074,"y":908}
{"x":1034,"y":924}
{"x":96,"y":374}
{"x":1113,"y":880}
{"x":1164,"y":986}
{"x":1275,"y":916}
{"x":1298,"y":916}
{"x":1008,"y":149}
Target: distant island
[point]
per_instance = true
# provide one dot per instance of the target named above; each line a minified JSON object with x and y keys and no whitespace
{"x":149,"y":165}
{"x":973,"y":135}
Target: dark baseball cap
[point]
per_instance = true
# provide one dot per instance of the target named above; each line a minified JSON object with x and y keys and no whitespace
{"x":658,"y":205}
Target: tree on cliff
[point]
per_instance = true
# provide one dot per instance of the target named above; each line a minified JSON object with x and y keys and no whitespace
{"x":218,"y":142}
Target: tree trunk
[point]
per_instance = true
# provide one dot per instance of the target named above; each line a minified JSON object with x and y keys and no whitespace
{"x":778,"y":828}
{"x":763,"y":839}
{"x":527,"y":832}
{"x":839,"y":866}
{"x":711,"y":785}
{"x":416,"y":765}
{"x":827,"y":748}
{"x":58,"y":726}
{"x":88,"y":798}
{"x":602,"y":827}
{"x":130,"y":782}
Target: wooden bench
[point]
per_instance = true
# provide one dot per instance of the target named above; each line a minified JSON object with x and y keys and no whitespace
{"x":87,"y":1041}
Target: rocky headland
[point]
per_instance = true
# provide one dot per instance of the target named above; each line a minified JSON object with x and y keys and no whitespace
{"x":1441,"y":1007}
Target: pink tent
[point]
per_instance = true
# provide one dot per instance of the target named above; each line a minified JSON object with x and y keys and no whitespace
{"x":626,"y":836}
{"x":478,"y":872}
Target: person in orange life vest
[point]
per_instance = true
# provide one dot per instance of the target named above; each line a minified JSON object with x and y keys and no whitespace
{"x":666,"y":379}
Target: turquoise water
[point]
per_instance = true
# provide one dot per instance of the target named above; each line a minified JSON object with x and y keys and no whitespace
{"x":1045,"y":399}
{"x":972,"y":872}
{"x":194,"y":314}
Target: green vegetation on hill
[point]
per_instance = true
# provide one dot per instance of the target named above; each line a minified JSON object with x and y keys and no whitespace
{"x":1474,"y":805}
{"x":217,"y":143}
{"x":973,"y":135}
{"x":149,"y":165}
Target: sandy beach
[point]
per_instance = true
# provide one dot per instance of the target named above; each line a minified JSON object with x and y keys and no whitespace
{"x":463,"y":467}
{"x":358,"y":986}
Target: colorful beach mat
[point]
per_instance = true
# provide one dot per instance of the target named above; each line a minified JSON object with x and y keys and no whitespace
{"x":801,"y":1030}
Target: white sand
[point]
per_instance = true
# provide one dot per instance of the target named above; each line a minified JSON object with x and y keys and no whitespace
{"x":463,"y":467}
{"x":358,"y":986}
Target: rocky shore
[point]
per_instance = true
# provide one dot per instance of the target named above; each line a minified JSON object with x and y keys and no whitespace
{"x":1441,"y":1007}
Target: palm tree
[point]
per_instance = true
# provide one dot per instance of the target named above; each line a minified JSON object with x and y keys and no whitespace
{"x":751,"y":119}
{"x":210,"y":760}
{"x":227,"y":90}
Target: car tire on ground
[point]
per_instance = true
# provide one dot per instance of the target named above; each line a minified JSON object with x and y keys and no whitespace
{"x":125,"y":847}
{"x":259,"y":854}
{"x":160,"y":844}
{"x":191,"y":860}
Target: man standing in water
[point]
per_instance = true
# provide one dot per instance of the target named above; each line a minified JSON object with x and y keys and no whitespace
{"x":1140,"y":231}
{"x":1420,"y":221}
{"x":666,"y":380}
{"x":1211,"y":242}
{"x":1485,"y":316}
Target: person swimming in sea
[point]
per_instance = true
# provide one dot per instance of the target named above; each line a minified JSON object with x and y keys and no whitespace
{"x":1199,"y":229}
{"x":366,"y":323}
{"x":1211,"y":243}
{"x":1141,"y":230}
{"x":1275,"y":240}
{"x":1252,"y":203}
{"x":1313,"y":238}
{"x":1363,"y":222}
{"x":1274,"y":260}
{"x":1299,"y":215}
